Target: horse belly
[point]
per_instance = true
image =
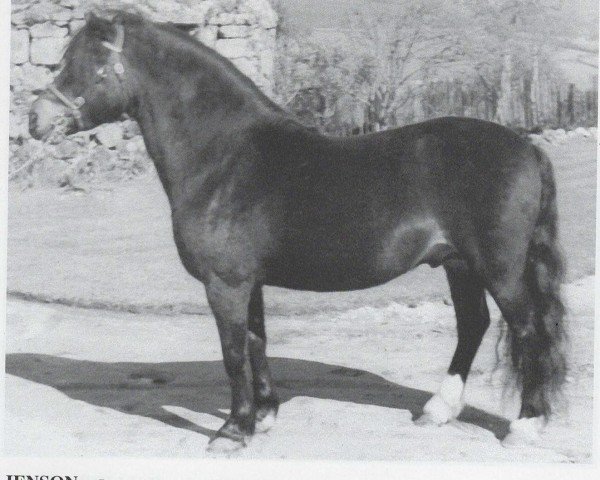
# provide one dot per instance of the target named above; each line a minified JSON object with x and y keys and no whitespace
{"x":326,"y":277}
{"x":342,"y":265}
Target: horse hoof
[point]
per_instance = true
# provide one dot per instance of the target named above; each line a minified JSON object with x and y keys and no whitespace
{"x":437,"y":412}
{"x":428,"y":420}
{"x":225,"y":445}
{"x":524,"y":432}
{"x":265,"y":421}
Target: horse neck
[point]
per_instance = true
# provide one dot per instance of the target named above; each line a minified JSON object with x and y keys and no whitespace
{"x":184,"y":101}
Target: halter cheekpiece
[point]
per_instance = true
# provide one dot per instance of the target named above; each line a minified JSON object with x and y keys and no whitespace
{"x":75,"y":105}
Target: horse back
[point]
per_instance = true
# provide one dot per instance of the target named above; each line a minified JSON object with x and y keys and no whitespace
{"x":356,"y":212}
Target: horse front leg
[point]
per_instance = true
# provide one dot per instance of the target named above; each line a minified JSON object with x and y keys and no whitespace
{"x":230,"y":308}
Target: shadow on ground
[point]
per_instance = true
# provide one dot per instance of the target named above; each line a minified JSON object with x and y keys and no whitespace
{"x":144,"y":388}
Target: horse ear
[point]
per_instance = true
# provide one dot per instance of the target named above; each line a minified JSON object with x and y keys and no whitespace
{"x":91,"y":18}
{"x":119,"y":18}
{"x":99,"y":26}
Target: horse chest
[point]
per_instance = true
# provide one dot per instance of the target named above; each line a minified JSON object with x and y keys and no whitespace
{"x":226,"y":245}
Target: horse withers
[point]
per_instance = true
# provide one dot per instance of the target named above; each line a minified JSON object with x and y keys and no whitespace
{"x":258,"y":199}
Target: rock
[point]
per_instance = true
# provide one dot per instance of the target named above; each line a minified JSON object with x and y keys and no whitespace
{"x":177,"y":12}
{"x":536,"y":139}
{"x":78,"y":13}
{"x":207,"y":35}
{"x":136,"y":145}
{"x":31,"y":77}
{"x":267,"y":63}
{"x":572,"y":134}
{"x":224,"y":18}
{"x":582,"y":132}
{"x":228,"y":5}
{"x":593,"y":132}
{"x":247,"y":67}
{"x":75,"y":26}
{"x":30,"y":151}
{"x":50,"y":171}
{"x":17,"y":6}
{"x":101,"y":158}
{"x":70,"y":3}
{"x":67,"y":149}
{"x":109,"y":135}
{"x":18,"y":126}
{"x":40,"y":13}
{"x":547,"y":134}
{"x":234,"y":31}
{"x":47,"y":51}
{"x":47,"y":29}
{"x":244,"y":19}
{"x":267,"y":17}
{"x":233,"y":47}
{"x":221,"y":19}
{"x":557,"y":136}
{"x":19,"y":46}
{"x":132,"y":147}
{"x":16,"y":78}
{"x":62,"y":16}
{"x":130,"y":128}
{"x":259,"y":35}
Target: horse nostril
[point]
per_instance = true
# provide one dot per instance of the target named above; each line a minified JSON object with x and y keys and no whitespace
{"x":33,"y":120}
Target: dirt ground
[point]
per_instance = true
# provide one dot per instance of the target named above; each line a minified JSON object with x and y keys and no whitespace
{"x":353,"y":370}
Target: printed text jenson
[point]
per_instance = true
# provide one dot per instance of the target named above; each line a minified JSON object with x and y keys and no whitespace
{"x":41,"y":477}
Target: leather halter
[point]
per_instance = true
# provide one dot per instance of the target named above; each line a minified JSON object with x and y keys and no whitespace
{"x":77,"y":103}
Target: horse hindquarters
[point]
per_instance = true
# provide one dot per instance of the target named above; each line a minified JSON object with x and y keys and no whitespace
{"x":531,"y":305}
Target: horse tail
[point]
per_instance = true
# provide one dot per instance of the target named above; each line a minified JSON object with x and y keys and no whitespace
{"x":544,"y":273}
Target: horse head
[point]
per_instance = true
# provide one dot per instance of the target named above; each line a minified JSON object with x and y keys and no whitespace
{"x":92,"y":87}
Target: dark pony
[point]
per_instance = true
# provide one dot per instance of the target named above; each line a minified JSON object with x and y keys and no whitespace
{"x":258,"y":199}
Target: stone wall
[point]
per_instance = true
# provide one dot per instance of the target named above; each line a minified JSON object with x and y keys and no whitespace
{"x":241,"y":30}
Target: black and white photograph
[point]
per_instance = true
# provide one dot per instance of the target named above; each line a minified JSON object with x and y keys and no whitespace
{"x":358,"y":232}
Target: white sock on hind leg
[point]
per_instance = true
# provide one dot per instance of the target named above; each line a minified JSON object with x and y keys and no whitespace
{"x":524,"y":431}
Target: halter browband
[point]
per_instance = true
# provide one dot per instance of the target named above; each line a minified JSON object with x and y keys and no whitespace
{"x":79,"y":102}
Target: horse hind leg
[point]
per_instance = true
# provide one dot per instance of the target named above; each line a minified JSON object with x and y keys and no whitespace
{"x":266,"y":400}
{"x":472,"y":320}
{"x":535,"y":339}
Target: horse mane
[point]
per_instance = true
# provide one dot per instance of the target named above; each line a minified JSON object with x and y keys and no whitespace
{"x":172,"y":42}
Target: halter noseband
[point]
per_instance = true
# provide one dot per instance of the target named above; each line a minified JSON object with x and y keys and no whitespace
{"x":75,"y":105}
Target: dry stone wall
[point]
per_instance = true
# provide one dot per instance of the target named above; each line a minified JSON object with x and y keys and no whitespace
{"x":241,"y":30}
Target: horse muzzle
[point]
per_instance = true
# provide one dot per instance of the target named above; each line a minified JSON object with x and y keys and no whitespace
{"x":46,"y":114}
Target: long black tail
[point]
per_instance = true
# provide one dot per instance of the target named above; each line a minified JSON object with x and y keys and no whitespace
{"x":541,"y":359}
